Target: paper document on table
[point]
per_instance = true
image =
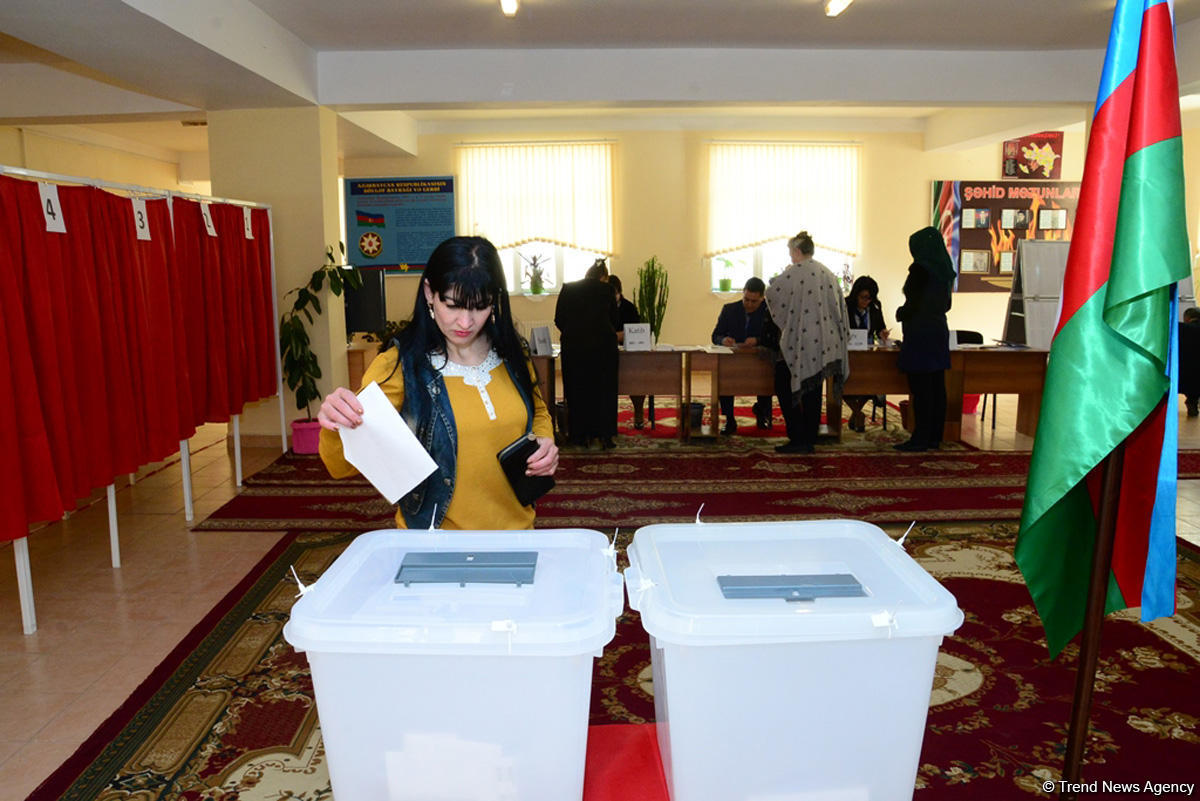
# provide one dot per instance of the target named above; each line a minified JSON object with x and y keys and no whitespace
{"x":383,"y":448}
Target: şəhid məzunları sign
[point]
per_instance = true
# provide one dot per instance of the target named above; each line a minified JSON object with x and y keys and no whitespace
{"x":982,"y":223}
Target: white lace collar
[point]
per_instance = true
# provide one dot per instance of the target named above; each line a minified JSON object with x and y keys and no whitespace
{"x":473,"y":375}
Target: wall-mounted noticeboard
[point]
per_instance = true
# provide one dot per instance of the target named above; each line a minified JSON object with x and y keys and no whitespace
{"x":395,"y":223}
{"x":983,"y":221}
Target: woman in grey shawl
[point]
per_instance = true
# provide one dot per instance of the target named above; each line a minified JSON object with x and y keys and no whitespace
{"x":807,"y":305}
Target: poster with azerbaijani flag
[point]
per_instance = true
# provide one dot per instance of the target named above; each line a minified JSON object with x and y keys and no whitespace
{"x":395,"y":223}
{"x":1111,"y":376}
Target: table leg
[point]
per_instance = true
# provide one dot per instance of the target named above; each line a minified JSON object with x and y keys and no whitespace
{"x":1029,"y":408}
{"x":954,"y":405}
{"x":833,"y":410}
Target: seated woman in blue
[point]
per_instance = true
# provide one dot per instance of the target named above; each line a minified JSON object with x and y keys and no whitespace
{"x":462,"y":379}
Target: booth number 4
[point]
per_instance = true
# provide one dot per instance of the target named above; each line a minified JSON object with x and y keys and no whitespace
{"x":52,"y":209}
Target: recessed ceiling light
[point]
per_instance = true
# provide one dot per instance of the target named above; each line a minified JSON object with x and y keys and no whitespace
{"x":835,"y":7}
{"x":509,"y":7}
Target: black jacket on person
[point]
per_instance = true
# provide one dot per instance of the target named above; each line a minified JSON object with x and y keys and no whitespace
{"x":627,"y":313}
{"x":586,"y":315}
{"x":875,"y":322}
{"x":1189,"y":359}
{"x":734,"y":322}
{"x":925,"y":346}
{"x":587,"y":321}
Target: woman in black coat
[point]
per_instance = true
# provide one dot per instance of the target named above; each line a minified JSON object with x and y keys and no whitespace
{"x":925,"y":348}
{"x":586,"y":316}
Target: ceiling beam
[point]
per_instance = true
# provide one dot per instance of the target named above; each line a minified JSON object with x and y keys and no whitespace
{"x":690,"y":75}
{"x":216,"y":54}
{"x":392,"y":127}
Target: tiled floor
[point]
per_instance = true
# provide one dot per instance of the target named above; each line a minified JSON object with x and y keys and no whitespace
{"x":101,"y":631}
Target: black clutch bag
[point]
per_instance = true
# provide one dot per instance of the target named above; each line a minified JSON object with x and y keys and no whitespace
{"x":514,"y":459}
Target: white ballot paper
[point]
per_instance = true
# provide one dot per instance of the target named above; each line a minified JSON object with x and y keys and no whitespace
{"x":383,"y":448}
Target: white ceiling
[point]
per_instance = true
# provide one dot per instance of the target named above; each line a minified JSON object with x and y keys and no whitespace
{"x":619,"y":24}
{"x":130,"y":69}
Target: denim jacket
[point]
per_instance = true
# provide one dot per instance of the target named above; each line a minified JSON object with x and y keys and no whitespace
{"x":430,"y":417}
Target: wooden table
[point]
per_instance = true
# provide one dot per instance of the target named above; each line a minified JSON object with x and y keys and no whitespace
{"x":1003,"y":371}
{"x":746,"y":371}
{"x":660,"y":372}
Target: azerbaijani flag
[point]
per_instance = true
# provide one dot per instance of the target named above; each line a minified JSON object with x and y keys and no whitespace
{"x":366,"y":218}
{"x":1111,"y":374}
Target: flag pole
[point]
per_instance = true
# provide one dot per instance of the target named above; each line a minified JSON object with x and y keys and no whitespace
{"x":1089,"y":647}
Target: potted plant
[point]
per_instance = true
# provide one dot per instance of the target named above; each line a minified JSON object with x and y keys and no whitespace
{"x":300,"y":366}
{"x":536,"y":273}
{"x":725,"y":282}
{"x":650,"y":297}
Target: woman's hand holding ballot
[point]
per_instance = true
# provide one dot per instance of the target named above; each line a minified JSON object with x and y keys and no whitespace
{"x":340,"y":408}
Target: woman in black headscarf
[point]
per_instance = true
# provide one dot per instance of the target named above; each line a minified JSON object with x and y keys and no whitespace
{"x":925,"y":348}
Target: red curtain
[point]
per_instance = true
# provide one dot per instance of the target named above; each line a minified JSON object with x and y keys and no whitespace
{"x":198,"y":254}
{"x":250,"y":330}
{"x":234,"y":291}
{"x":64,"y":321}
{"x":105,"y":257}
{"x":264,"y":380}
{"x":151,"y":325}
{"x":118,"y":346}
{"x":29,"y":488}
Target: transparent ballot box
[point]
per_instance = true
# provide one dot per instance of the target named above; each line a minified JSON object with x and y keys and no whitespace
{"x":450,"y":666}
{"x":791,"y":661}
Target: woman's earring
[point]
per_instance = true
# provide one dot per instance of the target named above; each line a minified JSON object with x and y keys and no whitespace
{"x":493,"y":316}
{"x":430,"y":308}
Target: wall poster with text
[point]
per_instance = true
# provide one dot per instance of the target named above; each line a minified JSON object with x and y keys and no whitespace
{"x":982,"y":221}
{"x":395,"y":223}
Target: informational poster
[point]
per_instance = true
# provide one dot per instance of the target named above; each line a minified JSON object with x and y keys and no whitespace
{"x":395,"y":223}
{"x":1034,"y":157}
{"x":983,"y":221}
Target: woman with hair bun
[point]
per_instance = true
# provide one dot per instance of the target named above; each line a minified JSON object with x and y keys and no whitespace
{"x":807,"y":305}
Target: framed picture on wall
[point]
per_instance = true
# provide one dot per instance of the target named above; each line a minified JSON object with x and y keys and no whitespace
{"x":976,"y":218}
{"x":1007,"y":259}
{"x":975,"y":261}
{"x":1052,"y":219}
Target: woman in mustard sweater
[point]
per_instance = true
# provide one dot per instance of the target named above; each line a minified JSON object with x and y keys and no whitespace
{"x":461,"y":377}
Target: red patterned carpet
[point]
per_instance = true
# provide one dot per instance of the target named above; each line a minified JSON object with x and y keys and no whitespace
{"x":230,"y":716}
{"x":666,"y":420}
{"x":635,"y":487}
{"x":658,"y":482}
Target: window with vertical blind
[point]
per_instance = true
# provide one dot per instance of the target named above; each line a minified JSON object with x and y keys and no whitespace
{"x":763,"y":193}
{"x":549,"y":200}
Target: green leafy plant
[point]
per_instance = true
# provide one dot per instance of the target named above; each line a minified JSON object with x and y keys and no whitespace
{"x":650,"y":297}
{"x":725,"y":282}
{"x":536,"y":273}
{"x":300,"y":366}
